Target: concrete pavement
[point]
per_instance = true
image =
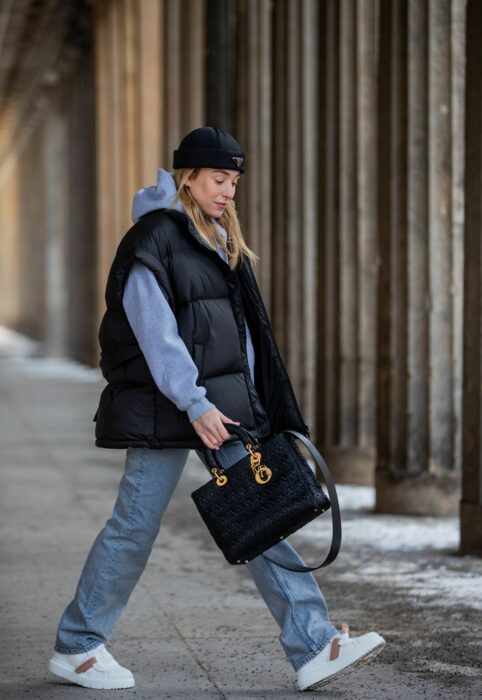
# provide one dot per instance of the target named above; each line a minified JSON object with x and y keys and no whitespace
{"x":196,"y":627}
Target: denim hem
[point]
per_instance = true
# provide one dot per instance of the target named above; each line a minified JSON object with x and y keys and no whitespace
{"x":61,"y":650}
{"x":306,"y":639}
{"x":312,"y":654}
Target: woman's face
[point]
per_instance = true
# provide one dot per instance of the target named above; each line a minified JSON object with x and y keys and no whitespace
{"x":213,"y":189}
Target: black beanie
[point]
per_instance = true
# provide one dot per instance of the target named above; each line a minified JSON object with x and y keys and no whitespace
{"x":208,"y":147}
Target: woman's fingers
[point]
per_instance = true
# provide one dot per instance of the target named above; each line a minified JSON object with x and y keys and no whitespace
{"x":209,"y":442}
{"x":228,"y":420}
{"x":225,"y":434}
{"x":205,"y":427}
{"x":210,"y":428}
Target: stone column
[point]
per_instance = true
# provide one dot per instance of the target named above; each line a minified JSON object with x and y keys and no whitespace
{"x":81,"y":341}
{"x":471,"y":503}
{"x":172,"y":42}
{"x":418,"y":234}
{"x":347,"y":181}
{"x":279,"y":288}
{"x":310,"y":149}
{"x":39,"y":284}
{"x":347,"y":242}
{"x":221,"y":60}
{"x":458,"y":48}
{"x":416,"y":407}
{"x":10,"y":281}
{"x":150,"y":80}
{"x":129,"y":85}
{"x":293,"y":313}
{"x":103,"y":139}
{"x":392,"y":240}
{"x":328,"y":303}
{"x":367,"y":20}
{"x":183,"y":42}
{"x":441,"y":405}
{"x":193,"y":75}
{"x":55,"y":222}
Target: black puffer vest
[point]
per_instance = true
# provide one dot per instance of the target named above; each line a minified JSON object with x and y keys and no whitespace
{"x":209,"y":301}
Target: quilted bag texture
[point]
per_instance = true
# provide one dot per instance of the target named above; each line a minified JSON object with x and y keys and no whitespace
{"x":245,"y":517}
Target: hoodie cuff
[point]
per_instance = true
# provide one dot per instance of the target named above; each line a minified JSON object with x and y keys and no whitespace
{"x":197,"y":408}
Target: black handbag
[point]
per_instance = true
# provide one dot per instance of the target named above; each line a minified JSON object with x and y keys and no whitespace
{"x":266,"y":496}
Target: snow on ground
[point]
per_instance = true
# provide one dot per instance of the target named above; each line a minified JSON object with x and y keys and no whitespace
{"x":15,"y":344}
{"x":413,"y":554}
{"x":53,"y":367}
{"x":19,"y":351}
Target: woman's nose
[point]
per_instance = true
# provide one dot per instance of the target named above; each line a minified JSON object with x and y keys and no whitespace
{"x":229,"y":191}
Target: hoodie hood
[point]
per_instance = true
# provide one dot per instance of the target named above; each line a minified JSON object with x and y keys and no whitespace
{"x":160,"y":196}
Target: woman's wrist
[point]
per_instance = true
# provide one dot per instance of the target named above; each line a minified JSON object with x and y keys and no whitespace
{"x":198,"y":407}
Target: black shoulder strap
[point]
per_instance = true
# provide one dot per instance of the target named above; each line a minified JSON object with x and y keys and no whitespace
{"x":322,"y":474}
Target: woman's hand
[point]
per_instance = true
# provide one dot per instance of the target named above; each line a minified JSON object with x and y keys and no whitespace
{"x":210,"y":428}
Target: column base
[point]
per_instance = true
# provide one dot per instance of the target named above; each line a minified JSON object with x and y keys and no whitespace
{"x":418,"y":494}
{"x":471,"y":528}
{"x":351,"y":466}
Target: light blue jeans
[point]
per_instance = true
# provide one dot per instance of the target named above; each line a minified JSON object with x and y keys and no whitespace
{"x":120,"y":552}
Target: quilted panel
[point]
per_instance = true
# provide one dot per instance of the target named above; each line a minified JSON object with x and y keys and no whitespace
{"x":246,"y":518}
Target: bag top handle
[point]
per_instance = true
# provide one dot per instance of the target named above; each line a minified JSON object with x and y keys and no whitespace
{"x":322,"y":474}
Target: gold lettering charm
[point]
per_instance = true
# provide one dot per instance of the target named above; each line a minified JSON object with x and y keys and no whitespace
{"x":261,"y":472}
{"x":221,"y":479}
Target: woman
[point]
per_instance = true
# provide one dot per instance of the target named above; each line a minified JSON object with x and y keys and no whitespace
{"x":187,"y":347}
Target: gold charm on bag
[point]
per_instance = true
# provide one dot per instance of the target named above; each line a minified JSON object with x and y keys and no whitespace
{"x":221,"y":479}
{"x":261,"y":472}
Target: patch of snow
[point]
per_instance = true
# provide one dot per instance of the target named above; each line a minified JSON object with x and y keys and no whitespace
{"x":442,"y":667}
{"x":53,"y":367}
{"x":432,"y":584}
{"x":376,"y":546}
{"x":13,"y":344}
{"x":356,"y":497}
{"x":401,"y":533}
{"x":384,"y":532}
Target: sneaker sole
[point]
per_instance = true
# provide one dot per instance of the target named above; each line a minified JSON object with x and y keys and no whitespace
{"x":67,"y":673}
{"x":361,"y":661}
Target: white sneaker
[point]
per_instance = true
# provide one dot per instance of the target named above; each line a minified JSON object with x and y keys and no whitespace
{"x":341,"y":655}
{"x":93,"y":669}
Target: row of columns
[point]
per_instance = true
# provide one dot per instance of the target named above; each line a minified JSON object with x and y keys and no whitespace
{"x":47,"y":187}
{"x":356,"y":197}
{"x":303,"y":104}
{"x":351,"y":114}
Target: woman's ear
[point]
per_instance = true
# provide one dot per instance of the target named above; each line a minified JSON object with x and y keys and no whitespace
{"x":191,"y":177}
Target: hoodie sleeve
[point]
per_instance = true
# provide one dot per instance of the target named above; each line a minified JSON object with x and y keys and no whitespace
{"x":155,"y":327}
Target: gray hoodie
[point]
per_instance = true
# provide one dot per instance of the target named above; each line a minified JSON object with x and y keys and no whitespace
{"x":153,"y":321}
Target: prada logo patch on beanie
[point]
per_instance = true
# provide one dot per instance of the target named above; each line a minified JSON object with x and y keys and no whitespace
{"x":208,"y":147}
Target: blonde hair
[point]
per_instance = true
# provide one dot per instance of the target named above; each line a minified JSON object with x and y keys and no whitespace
{"x":235,"y":245}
